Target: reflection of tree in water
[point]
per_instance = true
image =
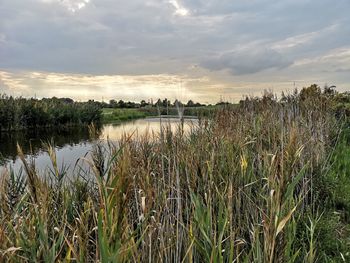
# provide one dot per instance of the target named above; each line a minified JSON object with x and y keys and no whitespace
{"x":31,"y":141}
{"x":2,"y":160}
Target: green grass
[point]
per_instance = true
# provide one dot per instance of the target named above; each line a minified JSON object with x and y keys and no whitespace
{"x":110,"y":115}
{"x":120,"y":115}
{"x":252,"y":184}
{"x":334,"y":191}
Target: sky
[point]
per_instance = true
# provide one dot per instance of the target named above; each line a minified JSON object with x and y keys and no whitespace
{"x":205,"y":50}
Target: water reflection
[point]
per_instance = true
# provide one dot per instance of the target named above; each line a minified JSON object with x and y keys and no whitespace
{"x":31,"y":141}
{"x":74,"y":143}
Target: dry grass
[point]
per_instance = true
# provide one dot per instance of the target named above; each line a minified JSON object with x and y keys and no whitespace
{"x":236,"y":189}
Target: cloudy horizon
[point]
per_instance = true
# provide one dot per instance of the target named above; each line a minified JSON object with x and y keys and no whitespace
{"x":196,"y":49}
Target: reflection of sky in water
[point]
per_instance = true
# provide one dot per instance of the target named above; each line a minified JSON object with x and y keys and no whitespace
{"x":141,"y":127}
{"x":69,"y":154}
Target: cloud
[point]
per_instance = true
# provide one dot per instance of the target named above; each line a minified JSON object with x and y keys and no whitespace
{"x":84,"y":86}
{"x":71,"y":5}
{"x":179,"y":10}
{"x":115,"y":37}
{"x":229,"y":41}
{"x":247,"y":61}
{"x":335,"y":57}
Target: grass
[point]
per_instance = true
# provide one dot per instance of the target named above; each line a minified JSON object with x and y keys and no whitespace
{"x":120,"y":115}
{"x":244,"y":186}
{"x":110,"y":115}
{"x":334,"y":188}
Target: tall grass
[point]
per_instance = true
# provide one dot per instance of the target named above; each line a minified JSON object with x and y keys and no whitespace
{"x":235,"y":189}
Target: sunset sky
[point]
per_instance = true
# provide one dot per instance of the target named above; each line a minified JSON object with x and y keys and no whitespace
{"x":194,"y":49}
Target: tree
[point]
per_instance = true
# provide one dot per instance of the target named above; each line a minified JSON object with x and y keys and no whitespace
{"x":21,"y":113}
{"x":113,"y":104}
{"x":143,"y":103}
{"x":121,"y":104}
{"x":190,"y":103}
{"x":158,"y":103}
{"x":165,"y":103}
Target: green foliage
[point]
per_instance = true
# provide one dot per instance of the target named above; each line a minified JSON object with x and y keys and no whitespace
{"x":120,"y":115}
{"x":334,"y":199}
{"x":111,"y":115}
{"x":21,"y":113}
{"x":333,"y":235}
{"x":245,"y":186}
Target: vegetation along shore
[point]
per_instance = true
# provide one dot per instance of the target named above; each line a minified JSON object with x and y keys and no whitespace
{"x":266,"y":180}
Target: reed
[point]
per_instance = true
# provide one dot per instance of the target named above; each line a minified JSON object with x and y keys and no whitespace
{"x":240,"y":187}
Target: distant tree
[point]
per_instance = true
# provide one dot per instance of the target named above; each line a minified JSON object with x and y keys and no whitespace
{"x":190,"y":103}
{"x":113,"y":103}
{"x":121,"y":104}
{"x":143,"y":103}
{"x":67,"y":100}
{"x":178,"y":103}
{"x":130,"y":105}
{"x":222,"y":103}
{"x":159,"y":103}
{"x":166,"y":103}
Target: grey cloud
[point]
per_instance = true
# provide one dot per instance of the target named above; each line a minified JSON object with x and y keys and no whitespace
{"x":247,"y":61}
{"x":146,"y":37}
{"x":99,"y":38}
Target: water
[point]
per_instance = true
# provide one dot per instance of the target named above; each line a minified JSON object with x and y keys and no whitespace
{"x":73,"y":143}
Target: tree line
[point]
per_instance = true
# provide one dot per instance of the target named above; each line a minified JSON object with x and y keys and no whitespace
{"x":142,"y":104}
{"x":21,"y":113}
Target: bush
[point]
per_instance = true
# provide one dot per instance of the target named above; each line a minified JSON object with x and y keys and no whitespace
{"x":21,"y":113}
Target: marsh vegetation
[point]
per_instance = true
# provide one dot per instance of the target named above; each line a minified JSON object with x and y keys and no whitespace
{"x":263,"y":181}
{"x":21,"y":113}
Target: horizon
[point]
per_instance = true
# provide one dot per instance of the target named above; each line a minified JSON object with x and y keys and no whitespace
{"x":153,"y":101}
{"x":199,"y":50}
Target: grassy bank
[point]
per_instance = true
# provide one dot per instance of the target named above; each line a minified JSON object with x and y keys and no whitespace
{"x":257,"y":183}
{"x":110,"y":115}
{"x":21,"y":113}
{"x":119,"y":115}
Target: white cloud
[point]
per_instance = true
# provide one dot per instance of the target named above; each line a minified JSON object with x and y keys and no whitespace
{"x":179,"y":10}
{"x":302,"y":39}
{"x":83,"y":86}
{"x":71,"y":5}
{"x":230,"y":41}
{"x":339,"y":56}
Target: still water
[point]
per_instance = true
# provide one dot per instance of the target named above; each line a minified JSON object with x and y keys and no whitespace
{"x":73,"y":143}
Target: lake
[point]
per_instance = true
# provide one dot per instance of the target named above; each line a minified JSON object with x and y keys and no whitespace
{"x":73,"y":143}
